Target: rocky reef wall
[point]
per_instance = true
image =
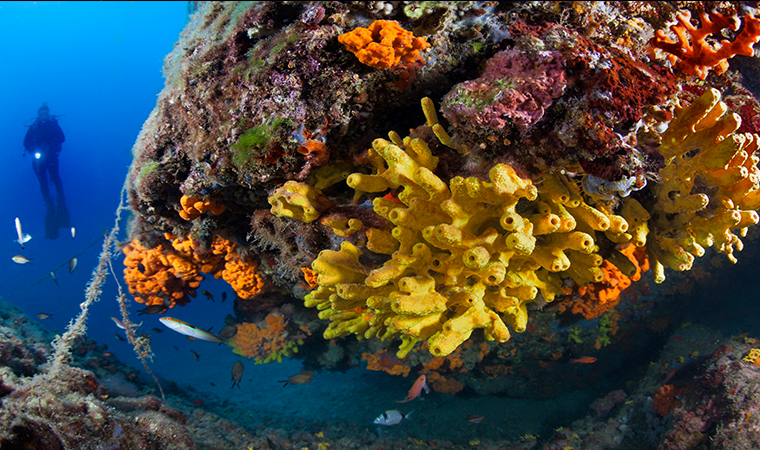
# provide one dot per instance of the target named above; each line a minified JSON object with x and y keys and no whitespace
{"x":446,"y":181}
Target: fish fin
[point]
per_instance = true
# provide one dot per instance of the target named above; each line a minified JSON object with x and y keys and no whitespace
{"x":406,"y":416}
{"x":404,"y":400}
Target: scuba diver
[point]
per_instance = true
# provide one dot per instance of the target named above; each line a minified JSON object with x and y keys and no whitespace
{"x":43,"y":141}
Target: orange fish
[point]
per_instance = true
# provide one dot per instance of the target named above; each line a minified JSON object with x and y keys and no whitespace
{"x":416,"y":389}
{"x":583,"y":360}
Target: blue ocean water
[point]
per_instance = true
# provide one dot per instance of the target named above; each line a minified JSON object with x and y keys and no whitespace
{"x":98,"y":66}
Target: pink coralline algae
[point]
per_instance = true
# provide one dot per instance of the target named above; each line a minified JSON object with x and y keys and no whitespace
{"x":603,"y":406}
{"x":517,"y":86}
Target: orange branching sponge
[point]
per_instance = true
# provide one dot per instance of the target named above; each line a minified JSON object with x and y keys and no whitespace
{"x":694,"y":55}
{"x":241,"y":274}
{"x":665,"y":400}
{"x":440,"y":365}
{"x":239,"y":271}
{"x":310,"y":276}
{"x":266,"y":341}
{"x":249,"y":340}
{"x":499,"y":370}
{"x":193,"y":207}
{"x":384,"y":44}
{"x":156,"y":278}
{"x":595,"y":299}
{"x":382,"y":361}
{"x":444,"y":385}
{"x":174,"y":272}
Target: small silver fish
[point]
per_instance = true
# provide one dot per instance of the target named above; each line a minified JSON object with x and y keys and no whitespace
{"x":26,"y":238}
{"x":19,"y":259}
{"x":73,"y":232}
{"x":55,"y":280}
{"x":72,"y":264}
{"x":19,"y":233}
{"x":118,"y":323}
{"x":189,"y":330}
{"x":43,"y":316}
{"x":391,"y":417}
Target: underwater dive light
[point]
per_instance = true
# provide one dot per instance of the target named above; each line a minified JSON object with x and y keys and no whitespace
{"x":37,"y":155}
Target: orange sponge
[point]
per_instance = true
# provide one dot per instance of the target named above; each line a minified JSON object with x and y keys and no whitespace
{"x":193,"y":207}
{"x":384,"y":44}
{"x":241,"y":275}
{"x":694,"y":55}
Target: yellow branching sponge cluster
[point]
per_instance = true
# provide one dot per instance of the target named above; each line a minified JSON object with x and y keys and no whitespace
{"x":710,"y":186}
{"x":298,"y":201}
{"x":472,"y":254}
{"x":463,"y":256}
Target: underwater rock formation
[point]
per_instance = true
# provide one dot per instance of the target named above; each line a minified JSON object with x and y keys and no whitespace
{"x":271,"y":135}
{"x":96,"y":402}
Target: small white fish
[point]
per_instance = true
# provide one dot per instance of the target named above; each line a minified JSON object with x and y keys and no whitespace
{"x":72,"y":264}
{"x":118,"y":323}
{"x":55,"y":280}
{"x":73,"y":232}
{"x":20,"y":233}
{"x":391,"y":417}
{"x":189,"y":330}
{"x":26,"y":238}
{"x":18,"y":259}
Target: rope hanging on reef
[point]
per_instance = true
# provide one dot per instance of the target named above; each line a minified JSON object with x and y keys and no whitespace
{"x":77,"y":327}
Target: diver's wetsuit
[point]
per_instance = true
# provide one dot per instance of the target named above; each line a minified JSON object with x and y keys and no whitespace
{"x":45,"y":137}
{"x":43,"y":140}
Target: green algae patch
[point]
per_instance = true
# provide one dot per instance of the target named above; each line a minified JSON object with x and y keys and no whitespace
{"x":256,"y":142}
{"x":147,"y":169}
